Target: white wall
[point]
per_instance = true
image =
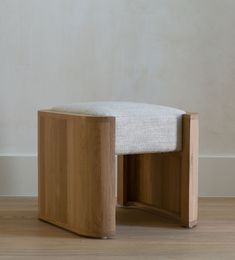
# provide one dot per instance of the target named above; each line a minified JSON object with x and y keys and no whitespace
{"x":178,"y":53}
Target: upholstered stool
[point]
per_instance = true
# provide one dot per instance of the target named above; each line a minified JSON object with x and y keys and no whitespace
{"x":157,"y":164}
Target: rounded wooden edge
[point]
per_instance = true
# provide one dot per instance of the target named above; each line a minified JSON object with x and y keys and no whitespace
{"x":105,"y":230}
{"x":70,"y":114}
{"x":101,"y":235}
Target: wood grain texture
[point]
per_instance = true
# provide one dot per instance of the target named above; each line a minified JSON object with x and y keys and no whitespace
{"x":140,"y":235}
{"x":164,"y":183}
{"x":76,"y":172}
{"x":153,"y":182}
{"x":189,"y":175}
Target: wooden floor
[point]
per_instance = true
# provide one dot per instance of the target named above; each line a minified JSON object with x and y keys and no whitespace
{"x":140,"y":235}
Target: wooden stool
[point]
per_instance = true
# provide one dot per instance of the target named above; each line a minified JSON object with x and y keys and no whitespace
{"x":76,"y":160}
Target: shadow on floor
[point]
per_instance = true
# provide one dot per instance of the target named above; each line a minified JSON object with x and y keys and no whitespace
{"x":141,"y":218}
{"x":23,"y":221}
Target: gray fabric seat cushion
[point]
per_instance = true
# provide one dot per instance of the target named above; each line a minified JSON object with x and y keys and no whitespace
{"x":140,"y":128}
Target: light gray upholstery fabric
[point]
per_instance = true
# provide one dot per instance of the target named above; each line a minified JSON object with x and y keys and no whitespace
{"x":140,"y":127}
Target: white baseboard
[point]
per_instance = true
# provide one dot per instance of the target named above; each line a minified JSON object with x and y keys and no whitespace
{"x":18,"y":176}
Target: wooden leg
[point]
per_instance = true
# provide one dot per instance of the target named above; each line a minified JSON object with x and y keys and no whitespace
{"x":76,"y":173}
{"x":189,"y":174}
{"x":165,"y":183}
{"x":121,"y":181}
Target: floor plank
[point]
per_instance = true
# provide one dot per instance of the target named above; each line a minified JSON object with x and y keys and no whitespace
{"x":140,"y":235}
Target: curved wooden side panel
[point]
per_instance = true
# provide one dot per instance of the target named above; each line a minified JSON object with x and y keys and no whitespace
{"x":76,"y":163}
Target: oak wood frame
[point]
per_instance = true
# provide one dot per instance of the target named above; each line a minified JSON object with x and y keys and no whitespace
{"x":76,"y":167}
